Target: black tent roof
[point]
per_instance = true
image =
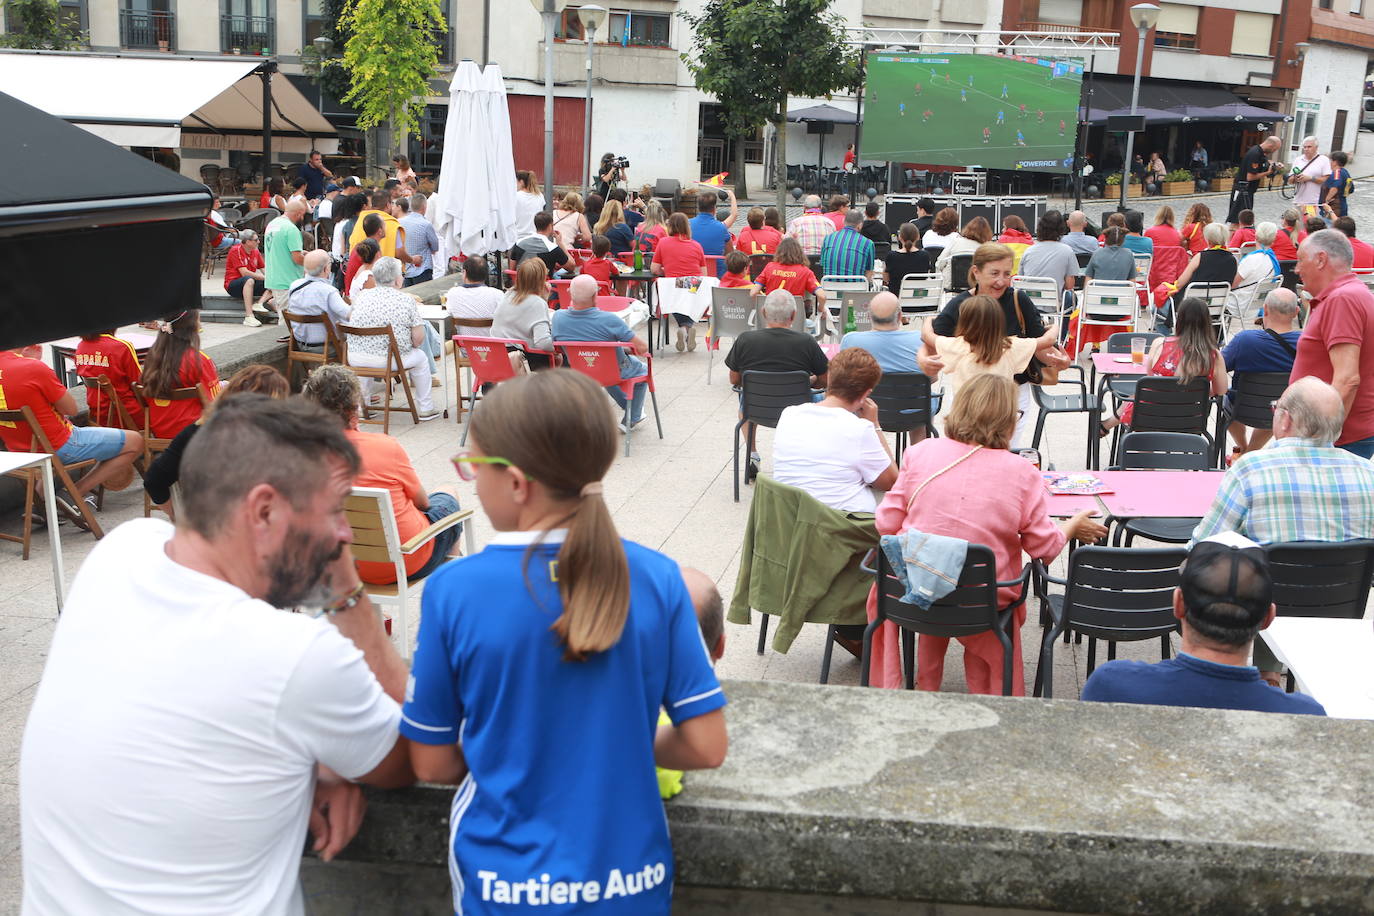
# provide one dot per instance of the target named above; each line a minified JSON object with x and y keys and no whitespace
{"x":1199,"y":101}
{"x":76,"y":210}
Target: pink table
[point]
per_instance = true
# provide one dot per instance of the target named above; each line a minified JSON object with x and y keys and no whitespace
{"x":1108,"y":364}
{"x":1159,"y":494}
{"x":1063,"y":505}
{"x":830,"y":350}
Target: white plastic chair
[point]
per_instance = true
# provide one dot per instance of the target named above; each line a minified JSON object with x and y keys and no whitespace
{"x":1044,"y":292}
{"x":920,"y":295}
{"x":835,"y":286}
{"x":1214,"y":294}
{"x":1244,"y":303}
{"x":1107,"y":303}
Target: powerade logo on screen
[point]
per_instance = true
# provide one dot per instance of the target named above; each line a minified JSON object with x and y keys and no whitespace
{"x":1066,"y":163}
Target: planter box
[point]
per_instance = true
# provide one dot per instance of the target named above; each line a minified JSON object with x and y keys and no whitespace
{"x":1178,"y":187}
{"x":1222,"y":184}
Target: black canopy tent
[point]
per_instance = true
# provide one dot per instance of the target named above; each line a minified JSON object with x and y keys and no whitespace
{"x":823,"y":114}
{"x":93,"y":236}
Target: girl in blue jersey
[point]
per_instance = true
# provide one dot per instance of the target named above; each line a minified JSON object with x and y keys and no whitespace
{"x":542,"y":664}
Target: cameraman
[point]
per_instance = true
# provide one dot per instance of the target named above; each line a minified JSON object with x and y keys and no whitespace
{"x":611,"y":170}
{"x":1254,"y":167}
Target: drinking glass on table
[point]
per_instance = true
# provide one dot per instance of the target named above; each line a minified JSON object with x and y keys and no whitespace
{"x":1137,"y":350}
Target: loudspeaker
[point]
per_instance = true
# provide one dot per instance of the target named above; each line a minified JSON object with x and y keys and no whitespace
{"x":820,"y":127}
{"x":1030,"y":209}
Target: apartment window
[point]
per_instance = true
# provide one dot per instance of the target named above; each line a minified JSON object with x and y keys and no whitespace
{"x":1324,"y":4}
{"x":443,"y":41}
{"x":1253,"y":34}
{"x":248,"y":26}
{"x":626,"y":27}
{"x":1177,"y":27}
{"x":1357,"y":7}
{"x":315,"y":23}
{"x":147,"y":25}
{"x":1061,"y":12}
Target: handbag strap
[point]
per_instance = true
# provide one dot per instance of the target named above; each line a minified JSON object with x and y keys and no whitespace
{"x":1292,"y":351}
{"x":969,"y":454}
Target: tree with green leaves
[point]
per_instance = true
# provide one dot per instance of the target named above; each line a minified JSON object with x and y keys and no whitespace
{"x":39,"y":25}
{"x":390,"y":56}
{"x":753,"y":54}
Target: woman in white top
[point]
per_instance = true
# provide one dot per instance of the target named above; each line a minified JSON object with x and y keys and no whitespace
{"x":523,"y":314}
{"x":404,"y":173}
{"x":976,"y":232}
{"x":528,"y":201}
{"x":943,"y":229}
{"x":980,"y":344}
{"x":834,"y":449}
{"x":368,"y":251}
{"x":570,"y":222}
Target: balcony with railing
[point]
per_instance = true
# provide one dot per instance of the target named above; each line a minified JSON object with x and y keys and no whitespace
{"x":1105,"y":35}
{"x":247,"y":34}
{"x":150,"y":30}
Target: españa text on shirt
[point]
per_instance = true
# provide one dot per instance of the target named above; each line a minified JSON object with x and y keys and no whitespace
{"x":542,"y":891}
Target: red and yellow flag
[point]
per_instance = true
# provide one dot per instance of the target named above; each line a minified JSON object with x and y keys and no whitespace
{"x":715,"y":181}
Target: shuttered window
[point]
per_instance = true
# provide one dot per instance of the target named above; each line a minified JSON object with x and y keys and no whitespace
{"x":1252,"y":34}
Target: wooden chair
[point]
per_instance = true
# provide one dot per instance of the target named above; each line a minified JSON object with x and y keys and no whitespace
{"x":377,"y":540}
{"x":461,"y":361}
{"x":392,"y":372}
{"x":209,"y":253}
{"x":152,"y":445}
{"x":79,"y":511}
{"x":115,"y":413}
{"x":309,"y":358}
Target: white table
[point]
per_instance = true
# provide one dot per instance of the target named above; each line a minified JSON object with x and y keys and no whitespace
{"x":437,"y":315}
{"x":1330,"y":659}
{"x":18,"y":461}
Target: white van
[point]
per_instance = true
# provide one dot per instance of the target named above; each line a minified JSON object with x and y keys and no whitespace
{"x":1367,"y":118}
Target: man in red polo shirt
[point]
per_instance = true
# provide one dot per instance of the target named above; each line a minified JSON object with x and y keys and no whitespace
{"x":26,"y":381}
{"x":1337,"y":346}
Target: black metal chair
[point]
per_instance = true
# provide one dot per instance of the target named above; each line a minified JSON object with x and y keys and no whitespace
{"x":1111,"y":593}
{"x":1321,"y":578}
{"x":958,"y":272}
{"x":904,"y":407}
{"x":763,"y":398}
{"x":1083,"y":258}
{"x":1142,"y":451}
{"x":1163,"y":404}
{"x":1081,"y":402}
{"x":1289,"y":272}
{"x":1248,"y":400}
{"x":967,"y":611}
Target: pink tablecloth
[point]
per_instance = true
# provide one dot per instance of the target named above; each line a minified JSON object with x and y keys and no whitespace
{"x":1159,"y":494}
{"x":1064,"y":505}
{"x":1110,"y":364}
{"x":830,"y":350}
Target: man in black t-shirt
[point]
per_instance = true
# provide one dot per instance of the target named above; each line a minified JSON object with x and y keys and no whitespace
{"x":543,"y":244}
{"x":777,"y":348}
{"x":1253,"y":167}
{"x":925,"y":215}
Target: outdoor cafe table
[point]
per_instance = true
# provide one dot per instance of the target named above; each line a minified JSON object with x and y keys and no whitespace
{"x":22,"y":461}
{"x":1159,"y":494}
{"x":1329,"y":658}
{"x":620,"y":283}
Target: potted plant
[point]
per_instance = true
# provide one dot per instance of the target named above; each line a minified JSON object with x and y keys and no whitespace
{"x":1225,"y":178}
{"x":1179,"y":181}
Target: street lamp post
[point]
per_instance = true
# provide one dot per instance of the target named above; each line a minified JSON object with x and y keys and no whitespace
{"x":1143,"y":17}
{"x":592,"y":18}
{"x":549,"y":10}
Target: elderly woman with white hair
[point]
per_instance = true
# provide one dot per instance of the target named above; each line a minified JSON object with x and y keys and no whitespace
{"x":1255,"y":267}
{"x":1214,"y":264}
{"x":385,"y":305}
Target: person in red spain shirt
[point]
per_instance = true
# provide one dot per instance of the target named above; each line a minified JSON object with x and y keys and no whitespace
{"x":26,"y":381}
{"x":789,"y":270}
{"x":105,"y":354}
{"x":599,"y":266}
{"x":757,"y":238}
{"x":736,"y":274}
{"x":678,"y":256}
{"x":176,"y":361}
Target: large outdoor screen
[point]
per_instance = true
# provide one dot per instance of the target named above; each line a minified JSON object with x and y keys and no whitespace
{"x":994,"y":112}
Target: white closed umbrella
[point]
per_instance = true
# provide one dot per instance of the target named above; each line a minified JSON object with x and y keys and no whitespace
{"x":476,"y":196}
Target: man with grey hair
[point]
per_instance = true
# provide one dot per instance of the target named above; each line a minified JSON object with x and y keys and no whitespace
{"x":847,"y":252}
{"x":776,"y":348}
{"x":812,"y":227}
{"x":1300,"y":488}
{"x":386,"y":305}
{"x":313,"y":294}
{"x":1338,"y":344}
{"x":1268,"y":349}
{"x":421,"y":239}
{"x":1253,"y":167}
{"x":893,"y":348}
{"x":243,"y":276}
{"x":1309,"y":172}
{"x":1076,"y":238}
{"x":584,"y":321}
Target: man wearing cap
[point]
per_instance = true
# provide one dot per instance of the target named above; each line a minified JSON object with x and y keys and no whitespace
{"x":1222,"y":602}
{"x":351,"y":185}
{"x":325,"y":210}
{"x":1300,"y":488}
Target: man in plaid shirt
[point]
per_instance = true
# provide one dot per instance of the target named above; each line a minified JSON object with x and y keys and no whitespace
{"x":1300,"y":488}
{"x":812,"y":227}
{"x":847,"y":253}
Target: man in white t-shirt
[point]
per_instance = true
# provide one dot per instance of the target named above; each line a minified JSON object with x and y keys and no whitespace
{"x":184,"y":724}
{"x":473,"y":298}
{"x":834,"y":449}
{"x":1308,"y":172}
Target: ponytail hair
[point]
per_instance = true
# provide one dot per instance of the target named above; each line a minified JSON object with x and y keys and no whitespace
{"x":554,"y":426}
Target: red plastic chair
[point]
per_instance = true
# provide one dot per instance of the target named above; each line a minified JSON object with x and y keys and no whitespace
{"x":562,"y":294}
{"x":610,"y":303}
{"x":489,"y":361}
{"x":599,"y":360}
{"x":510,"y":278}
{"x":579,"y":255}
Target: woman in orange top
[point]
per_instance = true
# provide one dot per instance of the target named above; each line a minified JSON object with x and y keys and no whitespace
{"x":176,"y":361}
{"x":385,"y":464}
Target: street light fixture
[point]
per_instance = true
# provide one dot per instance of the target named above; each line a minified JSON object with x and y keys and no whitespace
{"x":1143,"y":17}
{"x":592,"y":18}
{"x":550,"y":11}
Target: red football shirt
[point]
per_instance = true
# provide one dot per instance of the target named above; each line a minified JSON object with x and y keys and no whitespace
{"x":680,"y":257}
{"x":735,"y":281}
{"x":797,"y":279}
{"x":598,"y":268}
{"x":1241,"y":236}
{"x":1364,"y":254}
{"x":836,"y":217}
{"x":109,"y":356}
{"x":241,"y":257}
{"x":31,"y":383}
{"x":1284,"y":249}
{"x":758,"y":241}
{"x":168,"y":417}
{"x":1342,"y":314}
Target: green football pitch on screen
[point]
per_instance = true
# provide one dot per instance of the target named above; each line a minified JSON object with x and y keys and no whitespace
{"x":984,"y":110}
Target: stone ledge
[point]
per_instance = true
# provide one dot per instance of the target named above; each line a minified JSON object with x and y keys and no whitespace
{"x":842,"y":794}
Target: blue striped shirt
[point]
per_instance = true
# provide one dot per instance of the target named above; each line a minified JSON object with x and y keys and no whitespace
{"x":846,"y":254}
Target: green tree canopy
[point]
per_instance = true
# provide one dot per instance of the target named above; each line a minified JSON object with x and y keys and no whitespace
{"x":753,"y":55}
{"x":39,"y":25}
{"x":390,"y":56}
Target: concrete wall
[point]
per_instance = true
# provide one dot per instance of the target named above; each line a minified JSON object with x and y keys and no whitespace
{"x":1333,"y":75}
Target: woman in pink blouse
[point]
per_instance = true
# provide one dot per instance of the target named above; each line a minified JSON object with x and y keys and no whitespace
{"x":955,"y":500}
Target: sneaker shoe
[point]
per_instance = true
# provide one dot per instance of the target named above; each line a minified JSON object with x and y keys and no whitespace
{"x":691,"y":337}
{"x":429,"y":416}
{"x":634,"y":424}
{"x":681,"y":340}
{"x":751,"y":468}
{"x":250,"y":322}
